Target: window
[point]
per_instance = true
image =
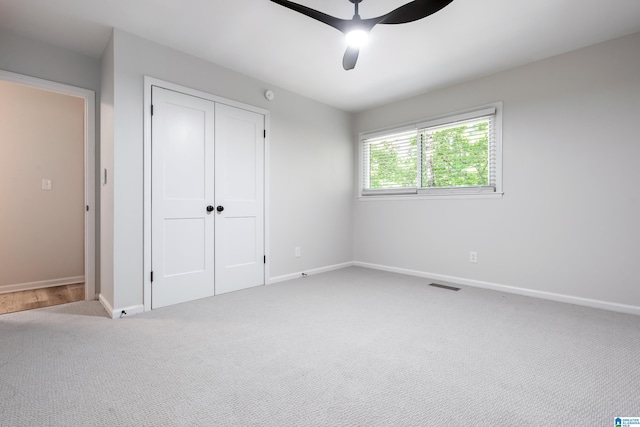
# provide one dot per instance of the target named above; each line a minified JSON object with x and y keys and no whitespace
{"x":453,"y":155}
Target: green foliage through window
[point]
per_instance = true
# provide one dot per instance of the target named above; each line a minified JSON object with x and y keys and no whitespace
{"x":454,"y":155}
{"x":393,"y":165}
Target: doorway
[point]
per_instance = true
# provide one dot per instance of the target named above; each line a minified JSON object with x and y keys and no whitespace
{"x":207,"y":196}
{"x":48,"y":192}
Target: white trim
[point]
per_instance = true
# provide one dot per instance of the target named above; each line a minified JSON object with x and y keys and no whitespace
{"x":146,"y":193}
{"x":106,"y":305}
{"x":41,"y":284}
{"x":309,"y":272}
{"x":497,"y":126}
{"x":89,"y":165}
{"x":267,"y":196}
{"x":385,"y":131}
{"x":454,"y":196}
{"x":452,"y":191}
{"x":148,"y":83}
{"x":569,"y":299}
{"x":388,"y":191}
{"x":117,"y":313}
{"x":457,"y":117}
{"x":429,"y":193}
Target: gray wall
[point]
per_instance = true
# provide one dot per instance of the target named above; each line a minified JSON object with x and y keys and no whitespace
{"x":45,"y":61}
{"x":311,"y":162}
{"x":568,"y":221}
{"x":566,"y":224}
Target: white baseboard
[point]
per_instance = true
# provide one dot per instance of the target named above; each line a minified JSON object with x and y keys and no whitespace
{"x":309,"y":272}
{"x":41,"y":284}
{"x":605,"y":305}
{"x":117,"y":313}
{"x":105,"y":304}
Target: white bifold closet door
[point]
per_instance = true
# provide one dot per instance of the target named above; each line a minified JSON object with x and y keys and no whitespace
{"x":240,"y":192}
{"x":207,"y":198}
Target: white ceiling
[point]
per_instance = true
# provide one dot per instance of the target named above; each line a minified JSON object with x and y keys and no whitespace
{"x":467,"y":39}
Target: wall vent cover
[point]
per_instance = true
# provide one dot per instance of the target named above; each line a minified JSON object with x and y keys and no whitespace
{"x":449,"y":288}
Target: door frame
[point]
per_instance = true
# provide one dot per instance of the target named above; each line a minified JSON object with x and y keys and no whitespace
{"x":88,"y":96}
{"x":148,"y":83}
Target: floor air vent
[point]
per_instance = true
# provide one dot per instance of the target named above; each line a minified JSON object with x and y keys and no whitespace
{"x":449,"y":288}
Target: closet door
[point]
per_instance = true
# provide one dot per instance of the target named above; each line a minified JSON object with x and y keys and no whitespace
{"x":182,"y":190}
{"x":239,"y":172}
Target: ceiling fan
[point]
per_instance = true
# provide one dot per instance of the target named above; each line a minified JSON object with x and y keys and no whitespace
{"x":357,"y":29}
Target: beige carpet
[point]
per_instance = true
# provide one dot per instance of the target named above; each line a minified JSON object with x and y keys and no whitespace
{"x":354,"y":347}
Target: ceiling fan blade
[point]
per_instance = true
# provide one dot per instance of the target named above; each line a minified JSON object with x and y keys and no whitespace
{"x":350,"y":58}
{"x":337,"y":23}
{"x":413,"y":11}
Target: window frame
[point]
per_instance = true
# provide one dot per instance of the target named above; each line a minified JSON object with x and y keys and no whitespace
{"x":438,"y":192}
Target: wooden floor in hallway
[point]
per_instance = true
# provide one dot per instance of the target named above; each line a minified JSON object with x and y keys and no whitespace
{"x":38,"y":298}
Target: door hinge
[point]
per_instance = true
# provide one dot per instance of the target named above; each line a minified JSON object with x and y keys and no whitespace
{"x":265,"y":133}
{"x":265,"y":259}
{"x":152,"y":109}
{"x":152,"y":276}
{"x":87,"y":208}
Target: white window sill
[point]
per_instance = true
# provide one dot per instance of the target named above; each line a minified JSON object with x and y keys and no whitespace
{"x":388,"y":197}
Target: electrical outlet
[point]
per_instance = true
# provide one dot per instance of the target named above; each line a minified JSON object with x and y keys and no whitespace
{"x":473,"y":257}
{"x":297,"y":252}
{"x":46,"y":184}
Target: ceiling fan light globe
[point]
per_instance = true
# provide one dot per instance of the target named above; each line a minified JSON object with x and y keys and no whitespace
{"x":357,"y":38}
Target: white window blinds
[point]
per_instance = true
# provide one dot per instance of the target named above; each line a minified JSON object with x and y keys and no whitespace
{"x":449,"y":155}
{"x":391,"y":162}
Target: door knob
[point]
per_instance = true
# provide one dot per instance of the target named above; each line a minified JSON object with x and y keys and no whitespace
{"x":220,"y":208}
{"x":209,"y":208}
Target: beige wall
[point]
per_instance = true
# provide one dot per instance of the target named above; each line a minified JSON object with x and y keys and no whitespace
{"x":41,"y":231}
